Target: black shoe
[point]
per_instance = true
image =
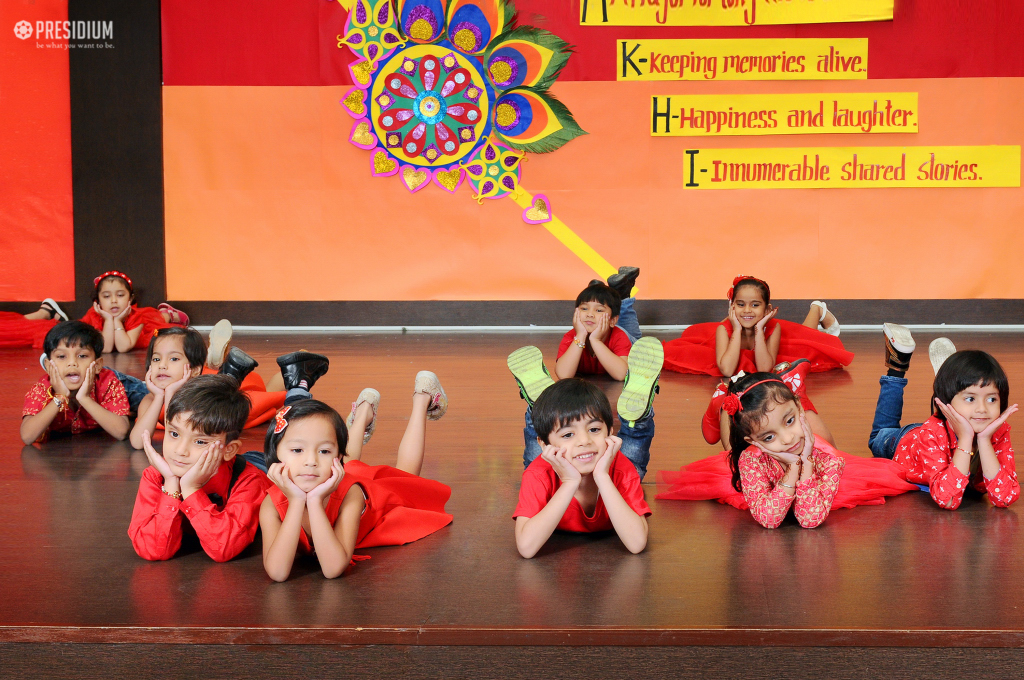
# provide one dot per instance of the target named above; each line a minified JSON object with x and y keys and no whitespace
{"x":623,"y":282}
{"x":899,"y":347}
{"x":302,"y":365}
{"x":238,"y":364}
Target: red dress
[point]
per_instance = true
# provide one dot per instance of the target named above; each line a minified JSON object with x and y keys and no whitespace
{"x":150,"y":319}
{"x":264,"y":404}
{"x":400,"y":507}
{"x":863,"y":481}
{"x":694,"y":350}
{"x":17,"y":331}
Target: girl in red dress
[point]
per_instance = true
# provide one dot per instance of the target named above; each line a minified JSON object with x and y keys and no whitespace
{"x":777,"y":464}
{"x":322,"y":505}
{"x":29,"y":330}
{"x":752,"y":340}
{"x":124,"y":325}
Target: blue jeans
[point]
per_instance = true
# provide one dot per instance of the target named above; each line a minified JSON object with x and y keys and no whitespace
{"x":135,"y":389}
{"x":636,"y":441}
{"x":628,"y":321}
{"x":886,"y":431}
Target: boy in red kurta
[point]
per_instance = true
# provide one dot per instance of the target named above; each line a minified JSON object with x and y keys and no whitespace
{"x":78,"y":394}
{"x":580,"y":482}
{"x":196,"y":484}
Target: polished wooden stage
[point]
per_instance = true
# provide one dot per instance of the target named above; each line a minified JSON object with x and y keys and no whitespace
{"x":900,"y":590}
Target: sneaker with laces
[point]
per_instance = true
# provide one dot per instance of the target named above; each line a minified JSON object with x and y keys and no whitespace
{"x":371,"y":397}
{"x":939,"y":350}
{"x":527,"y":366}
{"x":899,"y":347}
{"x":220,"y":338}
{"x":427,"y":383}
{"x":641,"y":383}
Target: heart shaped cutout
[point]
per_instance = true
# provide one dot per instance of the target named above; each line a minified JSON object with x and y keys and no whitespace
{"x":362,"y":136}
{"x":539,"y":212}
{"x":449,"y":180}
{"x":354,"y":102}
{"x":414,"y":178}
{"x":382,"y":165}
{"x":361,"y":71}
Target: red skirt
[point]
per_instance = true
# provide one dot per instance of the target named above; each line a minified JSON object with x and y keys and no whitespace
{"x":865,"y":481}
{"x":264,"y":404}
{"x":17,"y":331}
{"x":694,"y":350}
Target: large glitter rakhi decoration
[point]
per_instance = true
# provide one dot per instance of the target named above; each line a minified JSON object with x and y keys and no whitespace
{"x":448,"y":90}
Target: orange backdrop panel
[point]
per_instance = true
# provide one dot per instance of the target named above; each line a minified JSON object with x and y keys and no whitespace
{"x":36,"y":228}
{"x":267,"y":174}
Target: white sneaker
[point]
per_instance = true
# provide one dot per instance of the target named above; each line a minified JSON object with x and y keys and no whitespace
{"x":939,"y":350}
{"x":427,"y":383}
{"x":220,"y":338}
{"x":371,"y":397}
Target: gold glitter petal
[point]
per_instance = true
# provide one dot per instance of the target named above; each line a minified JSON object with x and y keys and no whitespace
{"x":361,"y":72}
{"x":505,"y":116}
{"x":500,"y":71}
{"x":465,"y":40}
{"x":421,"y":30}
{"x":449,"y":180}
{"x":362,"y":135}
{"x":413,"y":178}
{"x":539,"y":211}
{"x":354,"y":102}
{"x":382,"y":164}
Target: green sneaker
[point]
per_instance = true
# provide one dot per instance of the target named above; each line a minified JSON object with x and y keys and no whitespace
{"x":527,"y":366}
{"x":641,"y":384}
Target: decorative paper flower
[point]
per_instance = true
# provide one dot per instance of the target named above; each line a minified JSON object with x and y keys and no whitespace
{"x":449,"y":82}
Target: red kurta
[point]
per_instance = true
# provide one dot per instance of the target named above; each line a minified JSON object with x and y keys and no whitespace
{"x":150,"y":319}
{"x":158,"y":521}
{"x":540,"y":482}
{"x":927,"y":454}
{"x":844,"y":481}
{"x":400,"y":507}
{"x":107,"y":391}
{"x":618,"y":342}
{"x":694,"y":351}
{"x":17,"y":331}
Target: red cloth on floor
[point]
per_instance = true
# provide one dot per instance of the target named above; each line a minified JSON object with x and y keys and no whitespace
{"x":694,"y":350}
{"x":400,"y":507}
{"x":865,"y":481}
{"x":150,"y":319}
{"x":17,"y":331}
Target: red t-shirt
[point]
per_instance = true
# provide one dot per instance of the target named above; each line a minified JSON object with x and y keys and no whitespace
{"x":107,"y":391}
{"x":618,"y":342}
{"x":224,"y":529}
{"x":540,"y":482}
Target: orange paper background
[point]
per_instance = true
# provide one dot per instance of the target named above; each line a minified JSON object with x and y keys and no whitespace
{"x":267,"y":174}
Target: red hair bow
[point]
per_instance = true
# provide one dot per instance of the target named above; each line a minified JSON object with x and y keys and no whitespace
{"x":279,"y":422}
{"x":732,"y":404}
{"x":112,"y":272}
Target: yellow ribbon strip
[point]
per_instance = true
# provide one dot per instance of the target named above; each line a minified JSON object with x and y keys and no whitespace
{"x":569,"y":238}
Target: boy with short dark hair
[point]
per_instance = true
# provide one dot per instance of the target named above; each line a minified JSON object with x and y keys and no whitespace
{"x":78,"y":394}
{"x":197,"y":481}
{"x":580,"y":482}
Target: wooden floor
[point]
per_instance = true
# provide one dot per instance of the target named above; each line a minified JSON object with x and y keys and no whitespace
{"x":904,"y":587}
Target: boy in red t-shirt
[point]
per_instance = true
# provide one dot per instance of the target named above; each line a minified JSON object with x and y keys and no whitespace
{"x":580,"y":482}
{"x":78,"y":394}
{"x":596,"y":344}
{"x":197,"y":482}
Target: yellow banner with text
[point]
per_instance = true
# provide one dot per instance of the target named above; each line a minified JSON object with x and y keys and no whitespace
{"x":715,"y":115}
{"x":852,"y":167}
{"x":745,"y":59}
{"x":730,"y":12}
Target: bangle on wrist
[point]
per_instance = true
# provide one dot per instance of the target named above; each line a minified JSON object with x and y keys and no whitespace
{"x":969,"y":453}
{"x":176,"y":495}
{"x":581,"y":345}
{"x":788,"y":486}
{"x":59,"y":399}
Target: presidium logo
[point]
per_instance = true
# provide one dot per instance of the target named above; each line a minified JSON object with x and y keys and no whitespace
{"x":67,"y":31}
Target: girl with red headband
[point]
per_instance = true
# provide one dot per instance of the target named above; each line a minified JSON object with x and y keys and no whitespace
{"x":776,"y":464}
{"x":124,"y":325}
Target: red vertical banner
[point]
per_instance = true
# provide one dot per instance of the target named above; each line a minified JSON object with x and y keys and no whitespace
{"x":36,"y":223}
